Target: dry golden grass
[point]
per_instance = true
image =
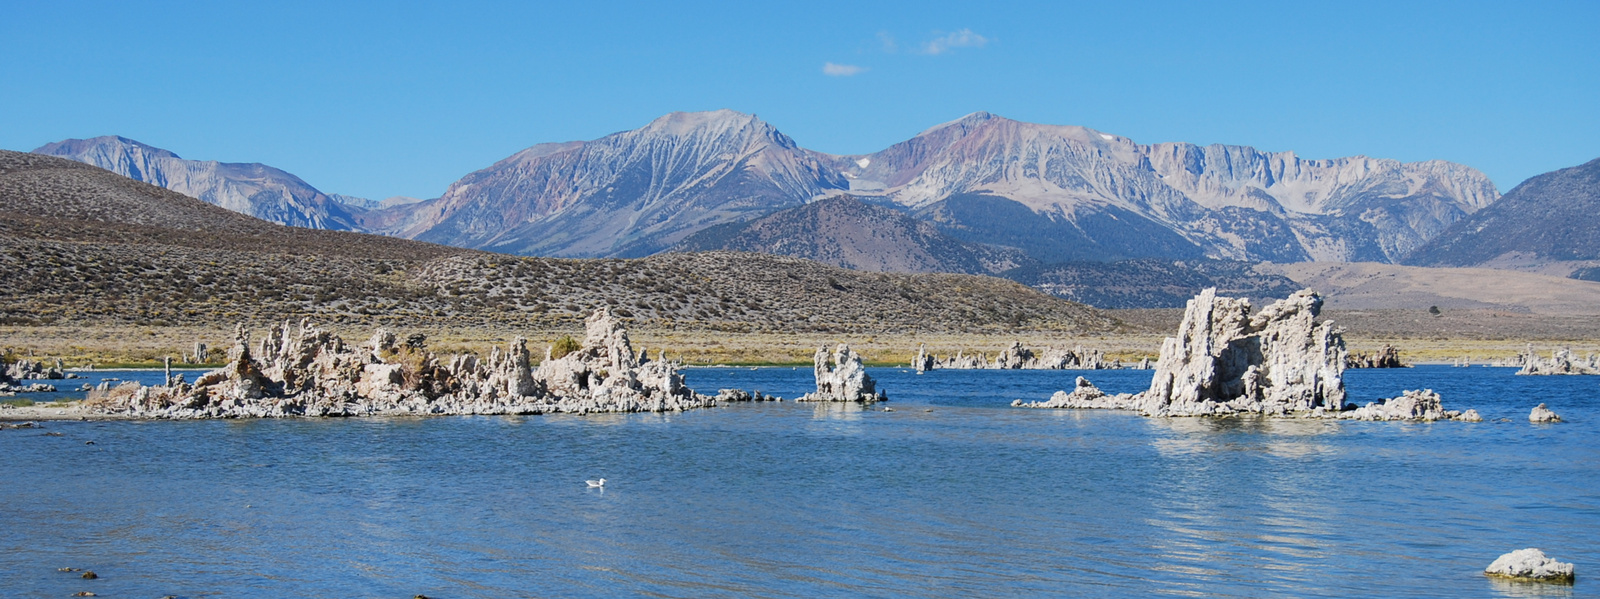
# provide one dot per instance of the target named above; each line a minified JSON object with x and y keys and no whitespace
{"x":78,"y":346}
{"x":147,"y":345}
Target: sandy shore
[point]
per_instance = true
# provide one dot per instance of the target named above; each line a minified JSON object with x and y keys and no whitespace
{"x":50,"y":412}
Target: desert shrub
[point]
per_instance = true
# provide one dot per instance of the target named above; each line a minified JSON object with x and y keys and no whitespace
{"x":564,"y":346}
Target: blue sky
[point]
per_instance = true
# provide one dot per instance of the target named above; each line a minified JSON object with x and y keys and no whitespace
{"x":389,"y":99}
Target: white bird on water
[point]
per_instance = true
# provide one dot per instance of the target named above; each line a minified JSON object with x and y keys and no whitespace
{"x":596,"y":483}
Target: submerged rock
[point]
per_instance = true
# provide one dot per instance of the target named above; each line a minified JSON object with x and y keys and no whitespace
{"x":307,"y":371}
{"x":1423,"y":405}
{"x":842,"y":378}
{"x":1084,"y":395}
{"x":1531,"y":564}
{"x":1541,"y":413}
{"x":738,"y":395}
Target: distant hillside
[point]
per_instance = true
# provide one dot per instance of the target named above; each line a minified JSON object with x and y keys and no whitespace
{"x":48,"y":198}
{"x":1369,"y":286}
{"x":255,"y":189}
{"x":1553,"y":217}
{"x":843,"y":231}
{"x":83,"y":245}
{"x":1104,"y":233}
{"x":1151,"y":283}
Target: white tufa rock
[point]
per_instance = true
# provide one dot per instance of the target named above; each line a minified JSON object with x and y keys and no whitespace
{"x":307,"y":371}
{"x":1541,"y":413}
{"x":1531,"y":564}
{"x":1561,"y":361}
{"x":1421,"y":405}
{"x":1084,"y":395}
{"x":1226,"y":361}
{"x":924,"y":361}
{"x":842,"y":379}
{"x":1278,"y":362}
{"x":1017,"y":357}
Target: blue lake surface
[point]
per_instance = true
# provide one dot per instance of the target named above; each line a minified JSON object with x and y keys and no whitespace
{"x":953,"y":494}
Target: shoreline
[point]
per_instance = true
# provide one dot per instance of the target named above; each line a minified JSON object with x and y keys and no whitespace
{"x":139,"y":348}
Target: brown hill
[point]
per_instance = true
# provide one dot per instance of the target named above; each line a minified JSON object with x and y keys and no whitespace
{"x":83,"y":245}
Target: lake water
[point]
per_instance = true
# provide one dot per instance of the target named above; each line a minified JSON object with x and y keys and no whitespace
{"x":953,"y":494}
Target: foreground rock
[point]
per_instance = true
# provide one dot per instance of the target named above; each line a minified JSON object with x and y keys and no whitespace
{"x":1278,"y":362}
{"x":1541,"y":413}
{"x":842,"y":378}
{"x":1531,"y":564}
{"x":1561,"y":361}
{"x":1226,"y":361}
{"x":307,"y":371}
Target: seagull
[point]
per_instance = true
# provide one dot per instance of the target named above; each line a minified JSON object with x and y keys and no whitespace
{"x":596,"y":483}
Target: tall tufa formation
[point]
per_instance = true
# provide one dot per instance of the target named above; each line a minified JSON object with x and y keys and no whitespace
{"x":1224,"y":360}
{"x":307,"y":371}
{"x":842,"y":378}
{"x":1279,"y":362}
{"x":924,"y":360}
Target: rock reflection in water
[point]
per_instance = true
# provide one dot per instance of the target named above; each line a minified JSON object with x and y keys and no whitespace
{"x":1530,"y":590}
{"x":779,"y":499}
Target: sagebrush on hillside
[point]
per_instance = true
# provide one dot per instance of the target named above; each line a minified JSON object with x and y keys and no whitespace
{"x":83,"y":245}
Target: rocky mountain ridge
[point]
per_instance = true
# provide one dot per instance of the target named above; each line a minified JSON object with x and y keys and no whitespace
{"x":1218,"y":201}
{"x":1054,"y":193}
{"x":255,"y":189}
{"x":1550,"y":218}
{"x":628,"y":194}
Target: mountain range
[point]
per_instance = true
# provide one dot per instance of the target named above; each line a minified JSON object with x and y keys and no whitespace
{"x":1052,"y":193}
{"x":978,"y":195}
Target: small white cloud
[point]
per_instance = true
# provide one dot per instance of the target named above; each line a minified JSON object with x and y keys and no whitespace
{"x":889,"y":44}
{"x":964,"y":38}
{"x":841,"y":70}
